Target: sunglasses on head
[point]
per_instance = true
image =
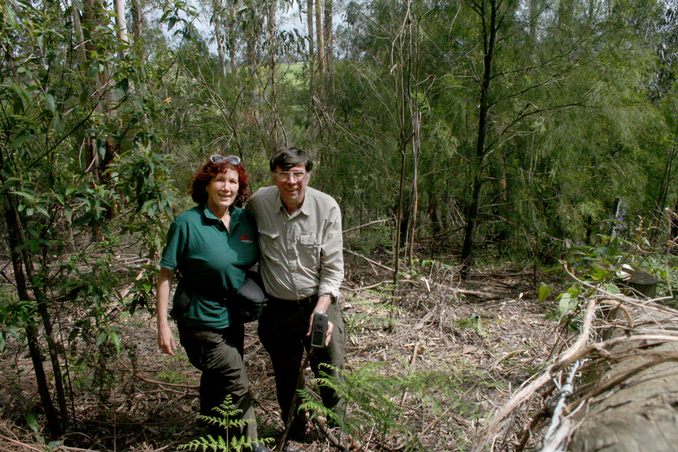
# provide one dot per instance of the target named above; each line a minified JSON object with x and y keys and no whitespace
{"x":232,"y":159}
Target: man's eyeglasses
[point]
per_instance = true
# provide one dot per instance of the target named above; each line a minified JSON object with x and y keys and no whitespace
{"x":283,"y":176}
{"x":232,"y":159}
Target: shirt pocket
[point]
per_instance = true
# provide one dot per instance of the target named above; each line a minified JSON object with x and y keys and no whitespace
{"x":269,"y":243}
{"x":309,"y":249}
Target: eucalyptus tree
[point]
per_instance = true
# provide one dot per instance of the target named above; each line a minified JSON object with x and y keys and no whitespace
{"x":662,"y":91}
{"x":74,"y":111}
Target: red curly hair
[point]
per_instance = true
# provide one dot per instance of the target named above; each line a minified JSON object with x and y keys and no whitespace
{"x":203,"y":177}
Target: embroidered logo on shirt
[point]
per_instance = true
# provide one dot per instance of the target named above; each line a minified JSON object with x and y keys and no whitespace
{"x":246,"y":238}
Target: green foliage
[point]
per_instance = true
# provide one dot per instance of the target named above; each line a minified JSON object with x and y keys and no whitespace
{"x":473,"y":322}
{"x":603,"y":267}
{"x":14,"y":315}
{"x":224,"y":421}
{"x":73,"y":119}
{"x":374,"y":396}
{"x":595,"y":268}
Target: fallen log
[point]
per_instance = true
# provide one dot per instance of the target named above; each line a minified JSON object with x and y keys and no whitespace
{"x":625,"y":398}
{"x":636,"y":406}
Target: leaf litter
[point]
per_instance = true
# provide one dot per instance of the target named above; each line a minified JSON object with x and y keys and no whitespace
{"x":447,"y":357}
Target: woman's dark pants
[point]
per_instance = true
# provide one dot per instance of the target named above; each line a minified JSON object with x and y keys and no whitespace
{"x":219,"y":355}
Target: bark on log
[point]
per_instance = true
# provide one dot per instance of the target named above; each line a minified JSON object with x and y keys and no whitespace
{"x":640,"y":414}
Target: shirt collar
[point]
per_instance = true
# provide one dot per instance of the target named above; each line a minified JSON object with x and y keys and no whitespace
{"x":210,"y":216}
{"x":305,"y":206}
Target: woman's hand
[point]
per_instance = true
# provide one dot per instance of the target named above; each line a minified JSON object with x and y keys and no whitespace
{"x":166,"y":339}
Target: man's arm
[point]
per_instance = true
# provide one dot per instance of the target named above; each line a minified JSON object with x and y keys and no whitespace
{"x":331,"y":268}
{"x":331,"y":255}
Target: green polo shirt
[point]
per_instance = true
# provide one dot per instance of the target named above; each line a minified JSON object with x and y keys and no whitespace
{"x":212,"y":262}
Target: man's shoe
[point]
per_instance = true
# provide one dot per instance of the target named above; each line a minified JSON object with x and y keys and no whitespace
{"x":297,"y":432}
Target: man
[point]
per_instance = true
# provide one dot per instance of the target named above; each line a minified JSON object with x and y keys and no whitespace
{"x":302,"y":268}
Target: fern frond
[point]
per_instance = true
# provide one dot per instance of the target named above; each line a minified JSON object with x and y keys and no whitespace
{"x":226,"y":422}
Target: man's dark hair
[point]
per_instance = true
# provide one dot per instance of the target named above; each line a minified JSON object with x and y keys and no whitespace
{"x":287,"y":157}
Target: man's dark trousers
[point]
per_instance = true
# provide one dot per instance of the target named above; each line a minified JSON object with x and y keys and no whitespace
{"x":282,"y":330}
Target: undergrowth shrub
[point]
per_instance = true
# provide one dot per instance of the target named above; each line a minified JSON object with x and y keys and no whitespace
{"x":225,"y":421}
{"x":376,"y":400}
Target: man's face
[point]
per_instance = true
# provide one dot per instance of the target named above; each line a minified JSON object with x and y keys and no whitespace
{"x":292,"y":186}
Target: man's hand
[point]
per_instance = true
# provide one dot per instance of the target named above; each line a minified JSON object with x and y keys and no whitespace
{"x":323,"y":305}
{"x":328,"y":333}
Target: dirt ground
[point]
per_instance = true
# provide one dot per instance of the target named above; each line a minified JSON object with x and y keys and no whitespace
{"x":427,"y":365}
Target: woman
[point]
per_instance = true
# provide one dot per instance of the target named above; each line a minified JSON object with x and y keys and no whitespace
{"x":211,"y":246}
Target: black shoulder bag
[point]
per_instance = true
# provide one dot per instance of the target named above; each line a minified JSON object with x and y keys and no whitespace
{"x":251,"y":297}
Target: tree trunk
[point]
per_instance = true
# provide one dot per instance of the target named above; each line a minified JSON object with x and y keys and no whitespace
{"x":320,"y":41}
{"x":674,"y":224}
{"x":416,"y":150}
{"x":309,"y":25}
{"x":312,"y":63}
{"x":32,"y":333}
{"x":271,"y":19}
{"x":120,"y":20}
{"x":403,"y":81}
{"x":17,"y":237}
{"x":639,"y":413}
{"x":137,"y":20}
{"x":328,"y":39}
{"x":219,"y":36}
{"x":490,"y":32}
{"x":399,"y":216}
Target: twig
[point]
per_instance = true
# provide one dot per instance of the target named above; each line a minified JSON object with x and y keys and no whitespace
{"x":358,"y":289}
{"x":19,"y":443}
{"x":586,"y":329}
{"x":409,"y":371}
{"x":369,"y":260}
{"x":329,"y":435}
{"x":160,"y":383}
{"x":366,"y":225}
{"x":527,"y":391}
{"x":290,"y":415}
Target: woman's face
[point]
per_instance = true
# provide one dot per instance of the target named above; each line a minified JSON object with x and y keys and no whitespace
{"x":222,"y":190}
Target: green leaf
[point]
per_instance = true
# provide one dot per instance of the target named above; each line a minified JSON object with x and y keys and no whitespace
{"x":566,"y":301}
{"x":23,"y":194}
{"x":42,"y":210}
{"x":50,"y":102}
{"x":613,"y":289}
{"x":544,"y":292}
{"x":101,"y":338}
{"x":113,"y":336}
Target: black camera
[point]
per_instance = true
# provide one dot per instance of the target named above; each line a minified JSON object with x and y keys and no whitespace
{"x":319,"y":330}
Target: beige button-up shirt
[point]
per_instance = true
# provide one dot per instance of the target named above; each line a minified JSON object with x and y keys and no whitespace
{"x":301,"y":254}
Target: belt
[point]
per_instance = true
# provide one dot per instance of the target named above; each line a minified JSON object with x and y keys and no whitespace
{"x":272,"y":301}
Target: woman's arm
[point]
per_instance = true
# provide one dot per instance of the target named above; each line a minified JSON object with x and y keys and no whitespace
{"x":165,"y":337}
